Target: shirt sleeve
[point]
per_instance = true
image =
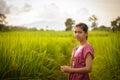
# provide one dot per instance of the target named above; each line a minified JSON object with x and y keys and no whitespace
{"x":87,"y":50}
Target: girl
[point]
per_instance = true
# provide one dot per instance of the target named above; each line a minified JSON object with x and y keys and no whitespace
{"x":82,"y":55}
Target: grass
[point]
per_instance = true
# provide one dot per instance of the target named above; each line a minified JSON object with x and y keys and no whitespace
{"x":38,"y":55}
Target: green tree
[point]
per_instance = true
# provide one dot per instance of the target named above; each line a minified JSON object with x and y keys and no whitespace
{"x":102,"y":28}
{"x":116,"y":24}
{"x":69,"y":24}
{"x":3,"y":22}
{"x":93,"y":19}
{"x":33,"y":29}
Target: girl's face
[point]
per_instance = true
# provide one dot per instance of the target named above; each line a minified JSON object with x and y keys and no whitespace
{"x":79,"y":34}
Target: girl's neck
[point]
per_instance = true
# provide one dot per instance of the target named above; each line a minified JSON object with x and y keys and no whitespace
{"x":82,"y":43}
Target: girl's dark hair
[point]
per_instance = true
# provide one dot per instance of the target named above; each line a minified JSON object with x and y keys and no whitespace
{"x":84,"y":27}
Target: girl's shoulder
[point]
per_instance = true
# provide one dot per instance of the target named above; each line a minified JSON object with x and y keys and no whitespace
{"x":88,"y":49}
{"x":88,"y":45}
{"x":76,"y":47}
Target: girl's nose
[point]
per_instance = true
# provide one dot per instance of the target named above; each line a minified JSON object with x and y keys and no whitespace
{"x":77,"y":34}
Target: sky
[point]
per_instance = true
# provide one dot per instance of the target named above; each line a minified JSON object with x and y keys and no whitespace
{"x":52,"y":14}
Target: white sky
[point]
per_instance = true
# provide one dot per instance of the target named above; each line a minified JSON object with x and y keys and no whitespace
{"x":53,"y":13}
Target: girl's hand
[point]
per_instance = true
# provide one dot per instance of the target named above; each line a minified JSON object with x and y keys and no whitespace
{"x":66,"y":69}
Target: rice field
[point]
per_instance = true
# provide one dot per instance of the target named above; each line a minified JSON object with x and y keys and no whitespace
{"x":38,"y":55}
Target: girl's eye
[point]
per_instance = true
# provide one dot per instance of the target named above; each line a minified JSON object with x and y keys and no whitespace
{"x":77,"y":32}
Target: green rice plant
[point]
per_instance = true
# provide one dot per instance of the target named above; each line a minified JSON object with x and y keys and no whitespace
{"x":106,"y":63}
{"x":38,"y":55}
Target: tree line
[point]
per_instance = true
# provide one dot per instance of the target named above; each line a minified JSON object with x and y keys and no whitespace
{"x":69,"y":23}
{"x":115,"y":24}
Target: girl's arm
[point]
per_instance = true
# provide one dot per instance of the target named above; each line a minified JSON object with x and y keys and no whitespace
{"x":85,"y":69}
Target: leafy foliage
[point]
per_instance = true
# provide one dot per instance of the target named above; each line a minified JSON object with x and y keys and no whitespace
{"x":116,"y":24}
{"x":93,"y":19}
{"x":69,"y":24}
{"x":102,"y":28}
{"x":3,"y":23}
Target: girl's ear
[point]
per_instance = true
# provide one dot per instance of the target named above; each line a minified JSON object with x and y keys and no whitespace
{"x":86,"y":33}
